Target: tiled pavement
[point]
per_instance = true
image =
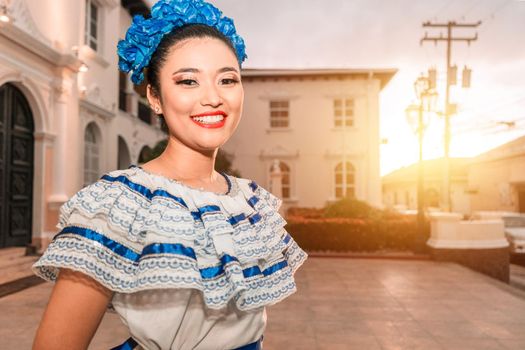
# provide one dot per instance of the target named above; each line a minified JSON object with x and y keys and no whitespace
{"x":350,"y":304}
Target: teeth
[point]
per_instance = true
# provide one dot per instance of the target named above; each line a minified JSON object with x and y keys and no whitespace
{"x":209,"y":119}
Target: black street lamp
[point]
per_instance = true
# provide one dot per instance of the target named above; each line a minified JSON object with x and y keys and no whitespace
{"x":418,"y":119}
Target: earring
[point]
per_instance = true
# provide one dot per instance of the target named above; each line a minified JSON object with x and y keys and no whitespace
{"x":157,"y":109}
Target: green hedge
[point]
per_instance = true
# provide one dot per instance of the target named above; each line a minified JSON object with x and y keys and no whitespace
{"x":350,"y":225}
{"x":356,"y":235}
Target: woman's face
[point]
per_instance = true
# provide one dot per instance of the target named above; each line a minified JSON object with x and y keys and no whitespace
{"x":201,"y":93}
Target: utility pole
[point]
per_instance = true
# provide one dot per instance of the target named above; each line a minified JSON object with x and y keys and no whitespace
{"x":448,"y":107}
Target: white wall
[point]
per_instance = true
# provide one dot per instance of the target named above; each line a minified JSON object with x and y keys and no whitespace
{"x":311,"y":145}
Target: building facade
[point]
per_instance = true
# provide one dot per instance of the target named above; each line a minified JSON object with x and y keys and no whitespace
{"x":497,"y":178}
{"x":66,"y":114}
{"x":320,"y":126}
{"x":400,"y":186}
{"x":492,"y":181}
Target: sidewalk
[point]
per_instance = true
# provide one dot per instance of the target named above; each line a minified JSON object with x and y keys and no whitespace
{"x":349,"y":304}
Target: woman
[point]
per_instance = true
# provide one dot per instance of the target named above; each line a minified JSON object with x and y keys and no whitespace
{"x":188,"y":257}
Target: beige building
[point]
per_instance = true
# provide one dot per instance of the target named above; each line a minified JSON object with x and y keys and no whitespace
{"x":61,"y":127}
{"x":400,"y":186}
{"x":492,"y":181}
{"x":320,"y":126}
{"x":497,"y":178}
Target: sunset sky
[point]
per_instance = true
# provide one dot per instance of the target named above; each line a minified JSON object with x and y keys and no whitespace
{"x":386,"y":34}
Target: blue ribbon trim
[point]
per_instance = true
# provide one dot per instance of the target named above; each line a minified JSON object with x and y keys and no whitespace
{"x":212,"y":272}
{"x":255,"y":218}
{"x":169,"y":248}
{"x":236,"y":219}
{"x":252,"y":201}
{"x":143,"y":190}
{"x":130,"y":344}
{"x":112,"y":245}
{"x":146,"y":192}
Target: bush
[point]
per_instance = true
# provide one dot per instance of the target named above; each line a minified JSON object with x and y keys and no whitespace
{"x":353,"y":208}
{"x":350,"y":225}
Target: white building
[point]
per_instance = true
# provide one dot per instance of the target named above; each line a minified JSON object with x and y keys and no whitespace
{"x":312,"y":122}
{"x":61,"y":127}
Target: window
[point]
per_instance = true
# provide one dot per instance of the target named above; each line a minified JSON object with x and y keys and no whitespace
{"x":92,"y":24}
{"x":122,"y":95}
{"x":91,"y":155}
{"x":285,"y":179}
{"x":279,"y":114}
{"x":344,"y":180}
{"x":343,"y":112}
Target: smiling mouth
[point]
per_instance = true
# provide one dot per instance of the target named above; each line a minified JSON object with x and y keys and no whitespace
{"x":211,"y":119}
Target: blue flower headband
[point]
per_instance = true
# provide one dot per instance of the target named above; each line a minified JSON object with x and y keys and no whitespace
{"x":144,"y":35}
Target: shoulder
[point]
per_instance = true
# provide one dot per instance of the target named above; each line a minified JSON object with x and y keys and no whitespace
{"x":99,"y":198}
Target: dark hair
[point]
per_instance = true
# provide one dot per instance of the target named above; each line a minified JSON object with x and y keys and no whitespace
{"x":187,"y":31}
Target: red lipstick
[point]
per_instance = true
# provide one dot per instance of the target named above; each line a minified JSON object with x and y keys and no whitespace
{"x":211,"y":113}
{"x":212,"y":125}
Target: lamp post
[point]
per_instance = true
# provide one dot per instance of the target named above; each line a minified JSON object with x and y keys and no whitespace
{"x":415,"y":114}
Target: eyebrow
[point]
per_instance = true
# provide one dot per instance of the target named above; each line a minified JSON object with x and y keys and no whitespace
{"x":195,"y":70}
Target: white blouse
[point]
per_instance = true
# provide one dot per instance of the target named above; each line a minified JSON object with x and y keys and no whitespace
{"x":190,"y":269}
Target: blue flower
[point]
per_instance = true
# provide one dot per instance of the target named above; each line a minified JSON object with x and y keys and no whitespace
{"x":226,"y":26}
{"x":144,"y":35}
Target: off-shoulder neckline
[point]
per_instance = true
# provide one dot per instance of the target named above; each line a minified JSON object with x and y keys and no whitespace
{"x":229,"y":179}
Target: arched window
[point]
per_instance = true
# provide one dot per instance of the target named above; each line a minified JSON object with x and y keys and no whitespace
{"x":344,"y":180}
{"x":91,"y":155}
{"x":285,"y":182}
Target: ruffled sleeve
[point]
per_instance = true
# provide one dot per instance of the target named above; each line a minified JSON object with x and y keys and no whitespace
{"x":133,"y":232}
{"x":100,"y":234}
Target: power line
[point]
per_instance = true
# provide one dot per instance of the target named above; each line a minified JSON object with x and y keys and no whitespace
{"x":447,"y":4}
{"x":486,"y":112}
{"x":490,"y":18}
{"x":490,"y":126}
{"x":465,"y":13}
{"x":498,"y":8}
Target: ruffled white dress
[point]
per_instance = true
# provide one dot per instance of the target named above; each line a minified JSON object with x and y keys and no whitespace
{"x":190,"y":269}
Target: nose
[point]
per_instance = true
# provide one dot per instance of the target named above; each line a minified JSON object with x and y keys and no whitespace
{"x":211,"y":96}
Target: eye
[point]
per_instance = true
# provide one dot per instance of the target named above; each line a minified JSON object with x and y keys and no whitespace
{"x":189,"y":82}
{"x":229,"y":81}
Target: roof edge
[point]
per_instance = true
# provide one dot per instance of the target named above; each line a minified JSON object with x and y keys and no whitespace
{"x":383,"y":74}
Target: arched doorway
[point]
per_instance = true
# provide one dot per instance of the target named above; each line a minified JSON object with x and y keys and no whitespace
{"x":16,"y":167}
{"x":124,"y":159}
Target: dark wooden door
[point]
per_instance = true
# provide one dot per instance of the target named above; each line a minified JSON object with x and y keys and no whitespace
{"x":16,"y":167}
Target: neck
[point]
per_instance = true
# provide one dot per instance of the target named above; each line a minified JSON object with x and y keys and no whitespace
{"x":186,"y":164}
